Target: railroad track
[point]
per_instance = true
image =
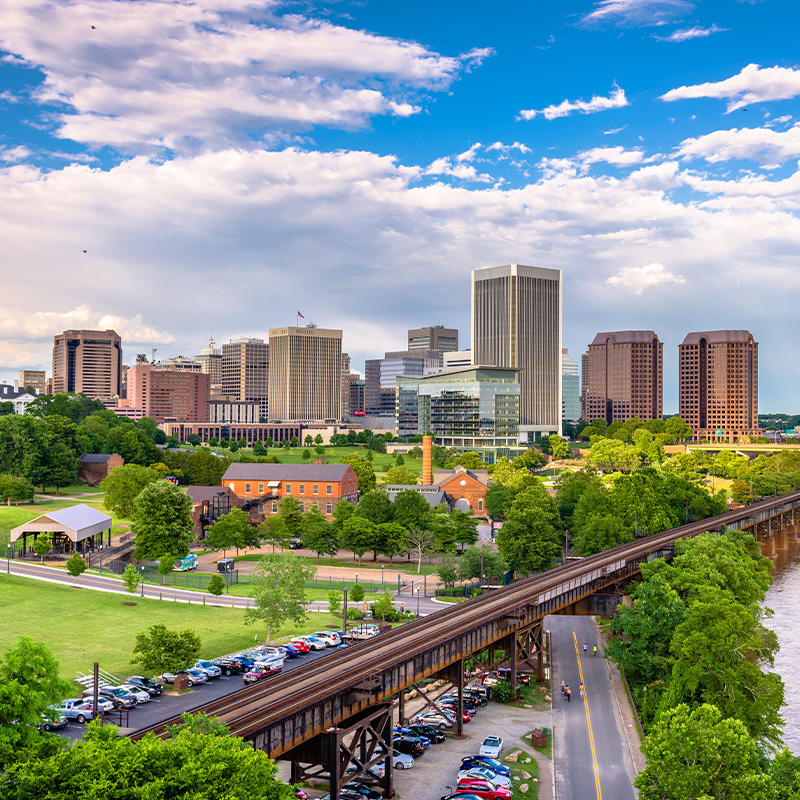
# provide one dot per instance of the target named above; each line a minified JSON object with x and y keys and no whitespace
{"x":250,"y":709}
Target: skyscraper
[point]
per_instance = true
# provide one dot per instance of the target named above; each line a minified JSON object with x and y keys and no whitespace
{"x":434,"y":337}
{"x":305,"y":376}
{"x":718,"y":384}
{"x":570,"y":388}
{"x":168,"y":394}
{"x":624,"y":377}
{"x":245,"y":372}
{"x":516,"y":322}
{"x":89,"y":362}
{"x":210,"y":360}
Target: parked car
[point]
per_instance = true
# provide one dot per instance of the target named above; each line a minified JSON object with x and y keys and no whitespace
{"x":409,"y":746}
{"x":53,"y":719}
{"x":363,"y":790}
{"x":313,"y":642}
{"x":434,"y":719}
{"x":302,"y":645}
{"x":505,"y":674}
{"x":401,"y":760}
{"x":363,"y":632}
{"x":76,"y":708}
{"x":140,"y":694}
{"x":484,"y":761}
{"x":450,"y":712}
{"x":371,"y":775}
{"x":210,"y":669}
{"x":301,"y":794}
{"x":484,"y":774}
{"x":477,"y":697}
{"x":492,"y":746}
{"x":271,"y":655}
{"x":481,"y":690}
{"x":291,"y":652}
{"x":452,"y":702}
{"x":261,"y":671}
{"x":483,"y":789}
{"x":229,"y":665}
{"x":460,"y":796}
{"x":331,"y":638}
{"x":433,"y":735}
{"x":487,"y":679}
{"x":153,"y":688}
{"x":194,"y":675}
{"x":116,"y":694}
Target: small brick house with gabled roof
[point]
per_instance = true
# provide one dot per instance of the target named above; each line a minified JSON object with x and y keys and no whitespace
{"x":466,"y":487}
{"x":97,"y":466}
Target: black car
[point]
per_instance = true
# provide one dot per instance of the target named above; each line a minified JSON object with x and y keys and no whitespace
{"x":145,"y":684}
{"x":460,"y":796}
{"x":453,"y":704}
{"x":505,"y":674}
{"x":229,"y":666}
{"x":478,"y":698}
{"x":408,"y":746}
{"x":363,"y":790}
{"x":434,"y":735}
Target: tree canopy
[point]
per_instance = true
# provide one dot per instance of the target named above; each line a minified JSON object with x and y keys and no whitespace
{"x":161,"y":521}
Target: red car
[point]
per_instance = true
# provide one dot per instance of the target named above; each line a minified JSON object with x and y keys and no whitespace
{"x":483,"y":789}
{"x":466,"y":716}
{"x":301,"y":794}
{"x":302,"y":646}
{"x":260,"y":672}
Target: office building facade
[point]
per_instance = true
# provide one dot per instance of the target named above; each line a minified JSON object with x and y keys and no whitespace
{"x":88,"y":362}
{"x":305,"y":377}
{"x":210,"y":361}
{"x":245,"y":372}
{"x":718,"y":385}
{"x":516,"y":323}
{"x":380,"y":377}
{"x":467,"y":408}
{"x":624,"y":377}
{"x":434,"y":337}
{"x":33,"y":379}
{"x":168,"y":394}
{"x":570,"y":388}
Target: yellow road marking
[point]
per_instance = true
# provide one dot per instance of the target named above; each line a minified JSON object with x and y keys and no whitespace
{"x":588,"y":720}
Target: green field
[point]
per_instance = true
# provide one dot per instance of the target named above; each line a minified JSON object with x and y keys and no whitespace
{"x":81,"y":626}
{"x":380,"y":461}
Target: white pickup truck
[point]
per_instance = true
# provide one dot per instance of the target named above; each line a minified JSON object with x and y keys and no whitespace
{"x":363,"y":632}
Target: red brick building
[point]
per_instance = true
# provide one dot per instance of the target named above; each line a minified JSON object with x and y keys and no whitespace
{"x":97,"y":466}
{"x":466,"y":487}
{"x":168,"y":394}
{"x":263,"y":485}
{"x":209,"y":503}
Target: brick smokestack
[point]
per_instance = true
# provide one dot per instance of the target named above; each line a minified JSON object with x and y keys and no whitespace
{"x":427,"y":460}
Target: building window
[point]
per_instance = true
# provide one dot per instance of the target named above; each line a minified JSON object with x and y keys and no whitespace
{"x":329,"y":489}
{"x":288,"y":488}
{"x":315,"y":488}
{"x":261,"y":488}
{"x":329,"y":508}
{"x":247,"y":488}
{"x":274,"y":506}
{"x":302,"y":489}
{"x":480,"y":505}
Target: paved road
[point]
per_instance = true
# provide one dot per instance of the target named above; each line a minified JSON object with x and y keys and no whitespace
{"x":590,"y":754}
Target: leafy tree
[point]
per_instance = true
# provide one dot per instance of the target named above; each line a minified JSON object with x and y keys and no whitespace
{"x":529,"y":539}
{"x":399,"y":460}
{"x":569,"y":488}
{"x":375,"y":506}
{"x":334,"y":601}
{"x":123,"y":485}
{"x":469,"y":565}
{"x":133,"y":444}
{"x":162,"y":521}
{"x":400,"y":476}
{"x":610,"y":455}
{"x":24,"y":441}
{"x":194,"y":440}
{"x":161,"y":650}
{"x":411,"y":509}
{"x":199,"y":723}
{"x":130,"y":578}
{"x":6,"y":407}
{"x":29,"y":684}
{"x":232,"y":530}
{"x":291,"y":516}
{"x":75,"y":407}
{"x":357,"y":593}
{"x":216,"y":585}
{"x":696,"y":753}
{"x":363,"y":470}
{"x":42,"y":545}
{"x":294,"y":441}
{"x":342,"y":511}
{"x":599,"y":532}
{"x":469,"y":460}
{"x":76,"y":566}
{"x":559,"y":447}
{"x":447,"y":569}
{"x":15,"y":488}
{"x":391,"y":539}
{"x":420,"y":543}
{"x":318,"y":439}
{"x":358,"y":535}
{"x":319,"y":450}
{"x":278,"y":589}
{"x":383,"y":607}
{"x":308,"y":441}
{"x":306,"y":454}
{"x":319,"y":535}
{"x":165,"y":566}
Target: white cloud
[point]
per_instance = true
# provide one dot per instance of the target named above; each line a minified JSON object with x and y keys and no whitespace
{"x":638,"y":12}
{"x":756,"y":144}
{"x":615,"y":130}
{"x":617,"y":156}
{"x":136,"y":83}
{"x":616,"y":99}
{"x":752,"y":85}
{"x":469,"y":155}
{"x":464,"y":172}
{"x":644,"y":277}
{"x":507,"y":148}
{"x":12,"y":155}
{"x":695,"y":32}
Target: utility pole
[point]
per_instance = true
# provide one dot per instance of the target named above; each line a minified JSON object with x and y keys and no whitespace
{"x":344,"y":612}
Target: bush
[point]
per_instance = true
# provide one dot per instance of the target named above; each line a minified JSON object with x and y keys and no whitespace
{"x":354,"y":613}
{"x":502,"y":692}
{"x":216,"y":585}
{"x":357,"y":593}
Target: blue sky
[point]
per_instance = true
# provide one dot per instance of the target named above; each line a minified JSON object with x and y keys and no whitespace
{"x":238,"y":161}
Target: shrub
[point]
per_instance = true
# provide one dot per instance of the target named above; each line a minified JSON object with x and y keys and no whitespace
{"x":354,"y":613}
{"x":503,"y":693}
{"x":357,"y":593}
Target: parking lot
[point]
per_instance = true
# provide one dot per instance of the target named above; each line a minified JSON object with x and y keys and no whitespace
{"x":435,"y":773}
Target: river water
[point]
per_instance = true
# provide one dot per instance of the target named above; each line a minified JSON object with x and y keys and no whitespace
{"x":783,"y":597}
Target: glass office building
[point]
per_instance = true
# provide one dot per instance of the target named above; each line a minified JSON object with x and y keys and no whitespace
{"x":468,"y":408}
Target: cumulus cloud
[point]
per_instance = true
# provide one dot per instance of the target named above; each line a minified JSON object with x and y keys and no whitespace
{"x":755,"y":144}
{"x":464,"y":172}
{"x":752,"y":85}
{"x":637,"y":12}
{"x":12,"y":155}
{"x":644,"y":277}
{"x":617,"y":156}
{"x":695,"y":32}
{"x":135,"y":81}
{"x":616,"y":99}
{"x":507,"y":148}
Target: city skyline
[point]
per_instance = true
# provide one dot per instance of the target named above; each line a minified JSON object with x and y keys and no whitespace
{"x":645,"y":148}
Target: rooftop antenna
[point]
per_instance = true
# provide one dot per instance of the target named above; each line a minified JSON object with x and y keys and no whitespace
{"x":153,"y":355}
{"x":211,"y":338}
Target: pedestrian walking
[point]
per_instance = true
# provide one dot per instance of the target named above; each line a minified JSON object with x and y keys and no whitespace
{"x":581,"y":691}
{"x":594,"y":652}
{"x":569,"y":694}
{"x":563,"y":687}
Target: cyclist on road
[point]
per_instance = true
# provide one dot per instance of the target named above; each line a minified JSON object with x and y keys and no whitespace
{"x":594,"y":651}
{"x":585,"y":648}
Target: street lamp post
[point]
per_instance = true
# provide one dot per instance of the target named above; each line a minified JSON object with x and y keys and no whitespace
{"x":142,"y":568}
{"x":417,"y":591}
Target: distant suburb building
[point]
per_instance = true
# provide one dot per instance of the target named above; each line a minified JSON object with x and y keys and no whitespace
{"x":718,"y":385}
{"x":305,"y":374}
{"x":320,"y":485}
{"x":466,"y":408}
{"x":625,"y":377}
{"x":516,"y":323}
{"x":89,"y":362}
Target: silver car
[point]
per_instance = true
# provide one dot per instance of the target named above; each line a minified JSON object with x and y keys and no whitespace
{"x":140,"y":694}
{"x":76,"y":708}
{"x":212,"y":670}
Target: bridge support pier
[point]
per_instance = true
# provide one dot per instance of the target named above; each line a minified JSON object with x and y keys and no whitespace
{"x":460,"y":684}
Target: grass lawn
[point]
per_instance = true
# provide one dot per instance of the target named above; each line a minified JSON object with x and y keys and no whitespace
{"x":381,"y":462}
{"x":81,"y":626}
{"x":519,"y":767}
